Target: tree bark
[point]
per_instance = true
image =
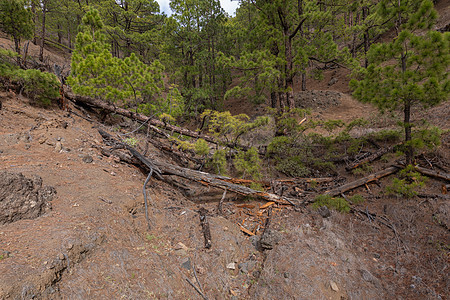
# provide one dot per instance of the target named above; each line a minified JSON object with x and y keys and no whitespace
{"x":370,"y":158}
{"x":361,"y":181}
{"x":435,"y":174}
{"x":44,"y":12}
{"x":143,"y":118}
{"x":223,"y":182}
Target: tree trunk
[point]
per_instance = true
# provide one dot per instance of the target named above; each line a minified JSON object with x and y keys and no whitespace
{"x":303,"y":81}
{"x":140,"y":117}
{"x":35,"y":19}
{"x":274,"y":100}
{"x":365,"y":13}
{"x":407,"y":119}
{"x":44,"y":12}
{"x":17,"y":47}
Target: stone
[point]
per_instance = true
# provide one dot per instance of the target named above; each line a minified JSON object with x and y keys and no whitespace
{"x":324,"y":212}
{"x":58,"y":146}
{"x":231,"y":266}
{"x":87,"y":159}
{"x":186,"y":264}
{"x":332,"y":81}
{"x":334,"y":286}
{"x":269,"y":239}
{"x":23,"y":198}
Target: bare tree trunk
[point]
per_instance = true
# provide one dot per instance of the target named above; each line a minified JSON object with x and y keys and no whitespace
{"x":44,"y":12}
{"x":303,"y":81}
{"x":407,"y":119}
{"x":35,"y":19}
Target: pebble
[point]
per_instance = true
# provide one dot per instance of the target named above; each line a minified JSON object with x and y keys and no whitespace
{"x":231,"y":266}
{"x":186,"y":264}
{"x":87,"y":159}
{"x":334,"y":286}
{"x":58,"y":146}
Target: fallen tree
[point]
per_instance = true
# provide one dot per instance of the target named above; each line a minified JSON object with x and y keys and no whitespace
{"x":222,"y":182}
{"x":370,"y":158}
{"x":435,"y":174}
{"x":149,"y":120}
{"x":354,"y":184}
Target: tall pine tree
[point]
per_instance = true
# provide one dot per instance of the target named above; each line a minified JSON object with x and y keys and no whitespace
{"x":409,"y":71}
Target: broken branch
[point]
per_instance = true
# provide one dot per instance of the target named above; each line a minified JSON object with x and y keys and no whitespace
{"x":361,"y":181}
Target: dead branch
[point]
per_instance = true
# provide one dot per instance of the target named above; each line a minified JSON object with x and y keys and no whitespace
{"x":221,"y":182}
{"x":205,"y":227}
{"x":435,"y":174}
{"x":196,"y":288}
{"x":145,"y":198}
{"x":140,"y":117}
{"x":354,"y":184}
{"x":221,"y":201}
{"x":370,"y":158}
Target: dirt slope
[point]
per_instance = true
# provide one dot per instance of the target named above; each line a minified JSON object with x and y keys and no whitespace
{"x":94,"y":243}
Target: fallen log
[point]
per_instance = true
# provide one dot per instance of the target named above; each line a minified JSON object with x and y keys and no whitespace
{"x":435,"y":174}
{"x":354,"y":184}
{"x":143,"y":118}
{"x":370,"y":158}
{"x":222,"y":182}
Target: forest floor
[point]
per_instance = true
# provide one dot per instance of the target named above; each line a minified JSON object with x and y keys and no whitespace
{"x":94,"y":243}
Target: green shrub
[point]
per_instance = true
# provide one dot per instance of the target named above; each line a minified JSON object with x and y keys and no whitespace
{"x":41,"y":87}
{"x":218,"y":162}
{"x":407,"y":183}
{"x":356,"y":199}
{"x":248,"y":163}
{"x":131,"y":141}
{"x":292,"y":167}
{"x":387,"y":135}
{"x":201,"y":147}
{"x":339,"y":204}
{"x":363,"y":169}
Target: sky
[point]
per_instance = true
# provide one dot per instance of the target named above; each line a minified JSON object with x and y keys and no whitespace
{"x":228,"y":5}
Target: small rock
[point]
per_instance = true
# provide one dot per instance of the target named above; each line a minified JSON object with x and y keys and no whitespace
{"x":269,"y":239}
{"x":334,"y":286}
{"x":255,"y":240}
{"x":61,"y":256}
{"x":332,"y":81}
{"x":1,"y":151}
{"x":181,"y":246}
{"x":70,"y":246}
{"x":243,"y":267}
{"x":186,"y":264}
{"x":324,"y":212}
{"x":286,"y":275}
{"x":231,"y":266}
{"x":87,"y":159}
{"x":366,"y":275}
{"x":27,"y":146}
{"x":58,"y":146}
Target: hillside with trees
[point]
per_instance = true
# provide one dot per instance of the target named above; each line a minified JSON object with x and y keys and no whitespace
{"x":298,"y":149}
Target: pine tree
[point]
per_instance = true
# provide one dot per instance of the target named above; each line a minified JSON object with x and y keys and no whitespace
{"x":282,"y":38}
{"x":15,"y":20}
{"x":409,"y":71}
{"x":96,"y":73}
